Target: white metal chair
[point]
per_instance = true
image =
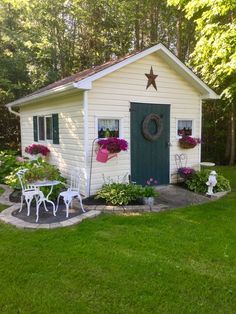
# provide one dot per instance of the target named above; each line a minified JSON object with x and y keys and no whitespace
{"x":28,"y":192}
{"x":70,"y":194}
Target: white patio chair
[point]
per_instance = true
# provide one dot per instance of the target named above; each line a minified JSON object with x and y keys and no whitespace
{"x":70,"y":194}
{"x":28,"y":192}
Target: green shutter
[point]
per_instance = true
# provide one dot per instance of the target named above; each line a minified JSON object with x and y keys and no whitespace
{"x":35,"y":128}
{"x":55,"y":128}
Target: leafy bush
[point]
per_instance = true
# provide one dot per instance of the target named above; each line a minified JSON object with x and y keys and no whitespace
{"x":120,"y":193}
{"x":149,"y":191}
{"x":8,"y":162}
{"x":197,"y":183}
{"x":38,"y":170}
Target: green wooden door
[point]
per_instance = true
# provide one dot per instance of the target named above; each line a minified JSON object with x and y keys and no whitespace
{"x":150,"y":157}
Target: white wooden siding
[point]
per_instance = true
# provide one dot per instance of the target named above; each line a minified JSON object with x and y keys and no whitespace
{"x":68,"y":156}
{"x":112,"y":94}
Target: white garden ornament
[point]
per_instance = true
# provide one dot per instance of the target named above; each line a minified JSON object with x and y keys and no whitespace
{"x":211,"y":182}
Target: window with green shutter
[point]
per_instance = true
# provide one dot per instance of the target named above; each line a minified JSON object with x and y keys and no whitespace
{"x":55,"y":128}
{"x":35,"y":128}
{"x":46,"y":128}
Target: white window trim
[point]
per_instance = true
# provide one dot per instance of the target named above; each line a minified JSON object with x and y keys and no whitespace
{"x":121,"y":119}
{"x":184,"y":119}
{"x":45,"y":141}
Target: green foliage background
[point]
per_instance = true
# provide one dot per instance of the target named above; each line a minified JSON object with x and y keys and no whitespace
{"x":43,"y":41}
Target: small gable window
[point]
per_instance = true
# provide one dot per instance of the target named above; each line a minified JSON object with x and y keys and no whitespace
{"x":46,"y":128}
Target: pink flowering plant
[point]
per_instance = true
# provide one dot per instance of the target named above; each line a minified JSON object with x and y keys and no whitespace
{"x":149,"y":189}
{"x":35,"y":149}
{"x":189,"y":142}
{"x":113,"y":144}
{"x":186,"y":172}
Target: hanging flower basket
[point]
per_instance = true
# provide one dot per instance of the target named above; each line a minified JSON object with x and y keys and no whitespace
{"x":187,"y":142}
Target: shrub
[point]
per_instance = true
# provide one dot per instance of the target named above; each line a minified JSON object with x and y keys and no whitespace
{"x":197,"y":183}
{"x":149,"y":191}
{"x":120,"y":193}
{"x":8,"y":162}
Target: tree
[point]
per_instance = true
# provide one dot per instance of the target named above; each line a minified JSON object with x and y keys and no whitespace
{"x":214,"y":58}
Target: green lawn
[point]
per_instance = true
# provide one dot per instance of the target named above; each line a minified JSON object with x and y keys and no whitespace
{"x":174,"y":262}
{"x":2,"y":207}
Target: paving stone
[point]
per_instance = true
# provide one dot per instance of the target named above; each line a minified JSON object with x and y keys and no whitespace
{"x":76,"y":220}
{"x":44,"y":226}
{"x":100,"y":207}
{"x":66,"y":223}
{"x":55,"y":225}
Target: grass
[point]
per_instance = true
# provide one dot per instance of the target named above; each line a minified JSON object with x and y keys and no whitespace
{"x":2,"y":207}
{"x":1,"y":191}
{"x":174,"y":262}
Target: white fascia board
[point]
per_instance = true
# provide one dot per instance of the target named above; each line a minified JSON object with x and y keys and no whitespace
{"x":29,"y":99}
{"x":84,"y":85}
{"x":169,"y":57}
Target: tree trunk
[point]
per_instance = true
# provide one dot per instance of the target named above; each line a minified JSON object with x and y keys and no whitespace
{"x":232,"y":131}
{"x":178,"y":35}
{"x":137,"y":30}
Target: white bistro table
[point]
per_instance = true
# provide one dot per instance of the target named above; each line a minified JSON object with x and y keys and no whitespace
{"x":44,"y":199}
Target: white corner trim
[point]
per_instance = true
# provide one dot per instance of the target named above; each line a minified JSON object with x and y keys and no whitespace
{"x":200,"y":131}
{"x":86,"y":146}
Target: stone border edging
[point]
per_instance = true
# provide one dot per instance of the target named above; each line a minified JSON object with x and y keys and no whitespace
{"x":4,"y":198}
{"x":127,"y":208}
{"x":6,"y":216}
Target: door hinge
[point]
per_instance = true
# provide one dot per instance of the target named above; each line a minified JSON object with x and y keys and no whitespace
{"x":130,"y":109}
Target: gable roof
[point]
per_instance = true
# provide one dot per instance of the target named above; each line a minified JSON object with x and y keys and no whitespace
{"x":83,"y":80}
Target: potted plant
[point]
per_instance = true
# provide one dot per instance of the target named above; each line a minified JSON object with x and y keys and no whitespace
{"x":37,"y":150}
{"x":110,"y":146}
{"x":188,"y":142}
{"x":149,"y":192}
{"x":186,"y":172}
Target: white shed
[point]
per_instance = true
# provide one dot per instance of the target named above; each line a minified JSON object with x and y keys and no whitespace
{"x":69,"y":114}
